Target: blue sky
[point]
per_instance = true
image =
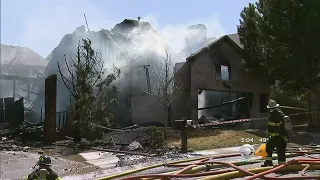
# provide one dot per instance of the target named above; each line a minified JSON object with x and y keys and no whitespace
{"x":41,"y":24}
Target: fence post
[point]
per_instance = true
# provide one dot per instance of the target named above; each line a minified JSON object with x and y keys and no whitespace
{"x":1,"y":111}
{"x":67,"y":117}
{"x":41,"y":115}
{"x":64,"y":118}
{"x":59,"y":120}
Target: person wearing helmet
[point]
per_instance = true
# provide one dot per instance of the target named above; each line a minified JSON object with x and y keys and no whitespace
{"x":44,"y":171}
{"x":277,"y":133}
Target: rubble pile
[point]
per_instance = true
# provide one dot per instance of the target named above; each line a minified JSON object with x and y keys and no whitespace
{"x":127,"y":137}
{"x":133,"y":140}
{"x":11,"y":144}
{"x":15,"y":139}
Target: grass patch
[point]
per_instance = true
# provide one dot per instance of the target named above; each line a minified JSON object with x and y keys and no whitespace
{"x":211,"y":139}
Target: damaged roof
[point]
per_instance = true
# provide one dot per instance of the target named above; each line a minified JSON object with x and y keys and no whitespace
{"x":232,"y":39}
{"x":21,"y":55}
{"x":128,"y":25}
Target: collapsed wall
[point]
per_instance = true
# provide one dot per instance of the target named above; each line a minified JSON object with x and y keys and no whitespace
{"x":15,"y":62}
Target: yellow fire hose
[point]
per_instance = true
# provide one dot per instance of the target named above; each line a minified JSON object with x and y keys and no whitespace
{"x":239,"y":163}
{"x":237,"y":174}
{"x":189,"y":171}
{"x":211,"y":166}
{"x":154,"y":166}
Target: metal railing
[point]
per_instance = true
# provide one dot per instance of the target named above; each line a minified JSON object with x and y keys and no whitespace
{"x":61,"y":119}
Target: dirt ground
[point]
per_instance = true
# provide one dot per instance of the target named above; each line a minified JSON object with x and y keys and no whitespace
{"x":68,"y":162}
{"x":17,"y":159}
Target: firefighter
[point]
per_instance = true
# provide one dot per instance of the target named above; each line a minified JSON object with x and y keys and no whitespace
{"x":277,"y":133}
{"x":44,"y":171}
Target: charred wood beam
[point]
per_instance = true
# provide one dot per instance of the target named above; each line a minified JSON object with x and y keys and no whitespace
{"x":119,"y":130}
{"x":225,"y":103}
{"x":29,"y":91}
{"x":20,"y":78}
{"x":24,"y":98}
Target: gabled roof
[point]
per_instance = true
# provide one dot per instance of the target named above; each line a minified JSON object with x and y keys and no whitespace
{"x":231,"y":39}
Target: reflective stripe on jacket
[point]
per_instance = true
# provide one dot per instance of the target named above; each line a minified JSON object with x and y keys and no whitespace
{"x":276,"y":124}
{"x":34,"y":175}
{"x":26,"y":178}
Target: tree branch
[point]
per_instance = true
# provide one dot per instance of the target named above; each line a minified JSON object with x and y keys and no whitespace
{"x":63,"y":79}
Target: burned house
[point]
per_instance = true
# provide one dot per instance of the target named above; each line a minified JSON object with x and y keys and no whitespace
{"x":132,"y":46}
{"x":215,"y":84}
{"x":20,"y":70}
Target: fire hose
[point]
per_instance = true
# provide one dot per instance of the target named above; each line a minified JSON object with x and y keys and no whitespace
{"x":162,"y":164}
{"x":289,"y":168}
{"x":206,"y":163}
{"x":240,"y":172}
{"x":188,"y":172}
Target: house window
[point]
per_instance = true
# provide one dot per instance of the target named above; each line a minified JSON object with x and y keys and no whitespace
{"x":263,"y":102}
{"x":225,"y":74}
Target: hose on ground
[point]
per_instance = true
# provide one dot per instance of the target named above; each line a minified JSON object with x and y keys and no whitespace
{"x":165,"y":164}
{"x":196,"y":171}
{"x":207,"y":163}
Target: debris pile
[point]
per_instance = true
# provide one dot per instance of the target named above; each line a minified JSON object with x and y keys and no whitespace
{"x":12,"y":145}
{"x":135,"y":146}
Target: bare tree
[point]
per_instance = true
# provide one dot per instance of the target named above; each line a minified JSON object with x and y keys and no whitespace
{"x":165,"y":86}
{"x":86,"y":79}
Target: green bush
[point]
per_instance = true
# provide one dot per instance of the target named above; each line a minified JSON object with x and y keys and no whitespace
{"x":156,"y":137}
{"x":92,"y":133}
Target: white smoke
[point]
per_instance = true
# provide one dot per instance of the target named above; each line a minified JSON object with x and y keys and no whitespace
{"x":51,"y":20}
{"x":169,"y":36}
{"x":175,"y":34}
{"x":42,"y":33}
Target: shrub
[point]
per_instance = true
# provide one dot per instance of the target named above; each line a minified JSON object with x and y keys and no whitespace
{"x":92,"y":133}
{"x":156,"y":137}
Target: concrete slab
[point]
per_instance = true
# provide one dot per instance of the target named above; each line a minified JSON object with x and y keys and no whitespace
{"x":222,"y":150}
{"x":100,"y":159}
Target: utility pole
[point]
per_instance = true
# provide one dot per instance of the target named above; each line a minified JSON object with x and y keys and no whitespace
{"x":85,"y":18}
